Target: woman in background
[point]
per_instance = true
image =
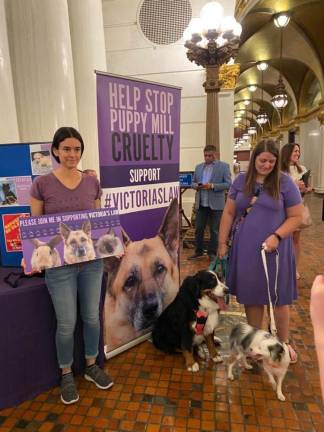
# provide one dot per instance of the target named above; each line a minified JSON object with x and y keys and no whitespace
{"x":290,"y":154}
{"x":263,"y":209}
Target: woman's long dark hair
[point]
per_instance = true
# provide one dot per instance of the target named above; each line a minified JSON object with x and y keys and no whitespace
{"x":61,"y":134}
{"x":272,"y":181}
{"x":285,"y":155}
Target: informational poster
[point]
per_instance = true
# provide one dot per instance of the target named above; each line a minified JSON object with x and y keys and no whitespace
{"x":138,"y":130}
{"x":14,"y":191}
{"x":10,"y":223}
{"x":19,"y":165}
{"x":41,"y":159}
{"x":69,"y":238}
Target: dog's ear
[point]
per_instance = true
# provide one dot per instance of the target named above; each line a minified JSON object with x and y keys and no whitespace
{"x":64,"y":230}
{"x":86,"y":227}
{"x":125,"y":237}
{"x":169,"y":230}
{"x":36,"y":242}
{"x":54,"y":241}
{"x":192,"y":288}
{"x":111,"y":266}
{"x":276,"y":352}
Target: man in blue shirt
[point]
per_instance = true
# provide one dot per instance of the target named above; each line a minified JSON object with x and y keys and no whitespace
{"x":210,"y":180}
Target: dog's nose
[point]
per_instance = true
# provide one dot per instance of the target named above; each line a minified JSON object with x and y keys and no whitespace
{"x":109,"y":248}
{"x":226,"y":290}
{"x":149,"y":311}
{"x":81,"y":252}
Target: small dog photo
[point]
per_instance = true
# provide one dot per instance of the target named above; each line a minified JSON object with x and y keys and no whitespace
{"x":143,"y":282}
{"x":248,"y":342}
{"x":45,"y":255}
{"x":41,"y":162}
{"x":8,"y":193}
{"x":191,"y":319}
{"x":108,"y":245}
{"x":78,"y":245}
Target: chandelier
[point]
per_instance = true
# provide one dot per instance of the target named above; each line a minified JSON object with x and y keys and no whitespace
{"x":213,"y":39}
{"x":280,"y":97}
{"x":262,"y":116}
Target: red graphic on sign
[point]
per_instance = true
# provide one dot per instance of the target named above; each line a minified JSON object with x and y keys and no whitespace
{"x":12,"y":232}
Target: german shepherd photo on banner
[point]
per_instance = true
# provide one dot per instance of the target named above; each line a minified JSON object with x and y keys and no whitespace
{"x":142,"y":283}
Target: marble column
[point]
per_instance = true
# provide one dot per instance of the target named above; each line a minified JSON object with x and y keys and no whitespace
{"x":319,"y":188}
{"x":226,"y":131}
{"x":8,"y":125}
{"x":228,"y":75}
{"x":89,"y":54}
{"x":212,"y":88}
{"x":41,"y":58}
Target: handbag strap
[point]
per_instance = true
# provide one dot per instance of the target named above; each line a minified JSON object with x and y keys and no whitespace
{"x":273,"y":328}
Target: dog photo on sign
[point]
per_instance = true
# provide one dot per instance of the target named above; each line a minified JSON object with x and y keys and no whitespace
{"x":143,"y":282}
{"x":78,"y":245}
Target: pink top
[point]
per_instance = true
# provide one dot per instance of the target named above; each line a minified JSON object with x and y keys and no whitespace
{"x":59,"y":199}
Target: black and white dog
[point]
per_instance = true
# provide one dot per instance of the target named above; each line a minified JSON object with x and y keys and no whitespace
{"x":249,"y":342}
{"x":192,"y":318}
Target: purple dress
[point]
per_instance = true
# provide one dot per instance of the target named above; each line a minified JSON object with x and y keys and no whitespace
{"x":246,"y":278}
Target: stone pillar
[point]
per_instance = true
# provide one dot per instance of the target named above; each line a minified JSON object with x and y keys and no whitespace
{"x":89,"y":54}
{"x":320,"y":186}
{"x":39,"y":35}
{"x":212,"y":88}
{"x":227,"y":75}
{"x":8,"y":125}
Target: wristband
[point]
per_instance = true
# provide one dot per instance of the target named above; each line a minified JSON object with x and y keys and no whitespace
{"x":277,"y":235}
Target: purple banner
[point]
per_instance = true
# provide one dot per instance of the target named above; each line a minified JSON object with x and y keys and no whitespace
{"x":139,"y":144}
{"x":69,"y":238}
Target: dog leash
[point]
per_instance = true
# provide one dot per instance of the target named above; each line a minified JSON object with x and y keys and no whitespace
{"x":273,"y":328}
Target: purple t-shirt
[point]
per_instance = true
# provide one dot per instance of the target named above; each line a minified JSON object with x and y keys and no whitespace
{"x":58,"y":198}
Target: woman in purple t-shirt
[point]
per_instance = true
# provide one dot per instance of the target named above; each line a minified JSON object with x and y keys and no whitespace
{"x":263,"y":209}
{"x":63,"y":190}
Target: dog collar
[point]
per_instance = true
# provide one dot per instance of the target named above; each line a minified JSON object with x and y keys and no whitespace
{"x":201,"y":318}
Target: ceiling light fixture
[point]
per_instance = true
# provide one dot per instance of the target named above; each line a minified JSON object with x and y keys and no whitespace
{"x":281,"y":19}
{"x":252,"y":88}
{"x":280,"y":97}
{"x":262,"y":66}
{"x":252,"y":130}
{"x":262,"y":116}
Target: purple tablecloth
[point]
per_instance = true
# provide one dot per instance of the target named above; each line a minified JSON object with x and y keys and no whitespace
{"x":28,"y":364}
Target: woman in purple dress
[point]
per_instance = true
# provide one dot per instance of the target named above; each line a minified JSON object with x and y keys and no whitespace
{"x":263,"y":208}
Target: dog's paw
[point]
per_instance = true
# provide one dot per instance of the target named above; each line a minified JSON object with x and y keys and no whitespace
{"x":230,"y":376}
{"x":194,"y":367}
{"x":281,"y":397}
{"x":217,"y":359}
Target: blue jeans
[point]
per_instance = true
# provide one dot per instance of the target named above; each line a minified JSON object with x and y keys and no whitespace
{"x":206,"y":216}
{"x":65,"y":284}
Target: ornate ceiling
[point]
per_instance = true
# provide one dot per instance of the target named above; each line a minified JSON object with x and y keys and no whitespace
{"x":302,"y":57}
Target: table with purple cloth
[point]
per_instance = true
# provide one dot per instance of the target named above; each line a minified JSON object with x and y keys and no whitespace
{"x":28,"y":363}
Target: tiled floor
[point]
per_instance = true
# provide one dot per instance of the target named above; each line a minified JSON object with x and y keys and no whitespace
{"x":154,"y":393}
